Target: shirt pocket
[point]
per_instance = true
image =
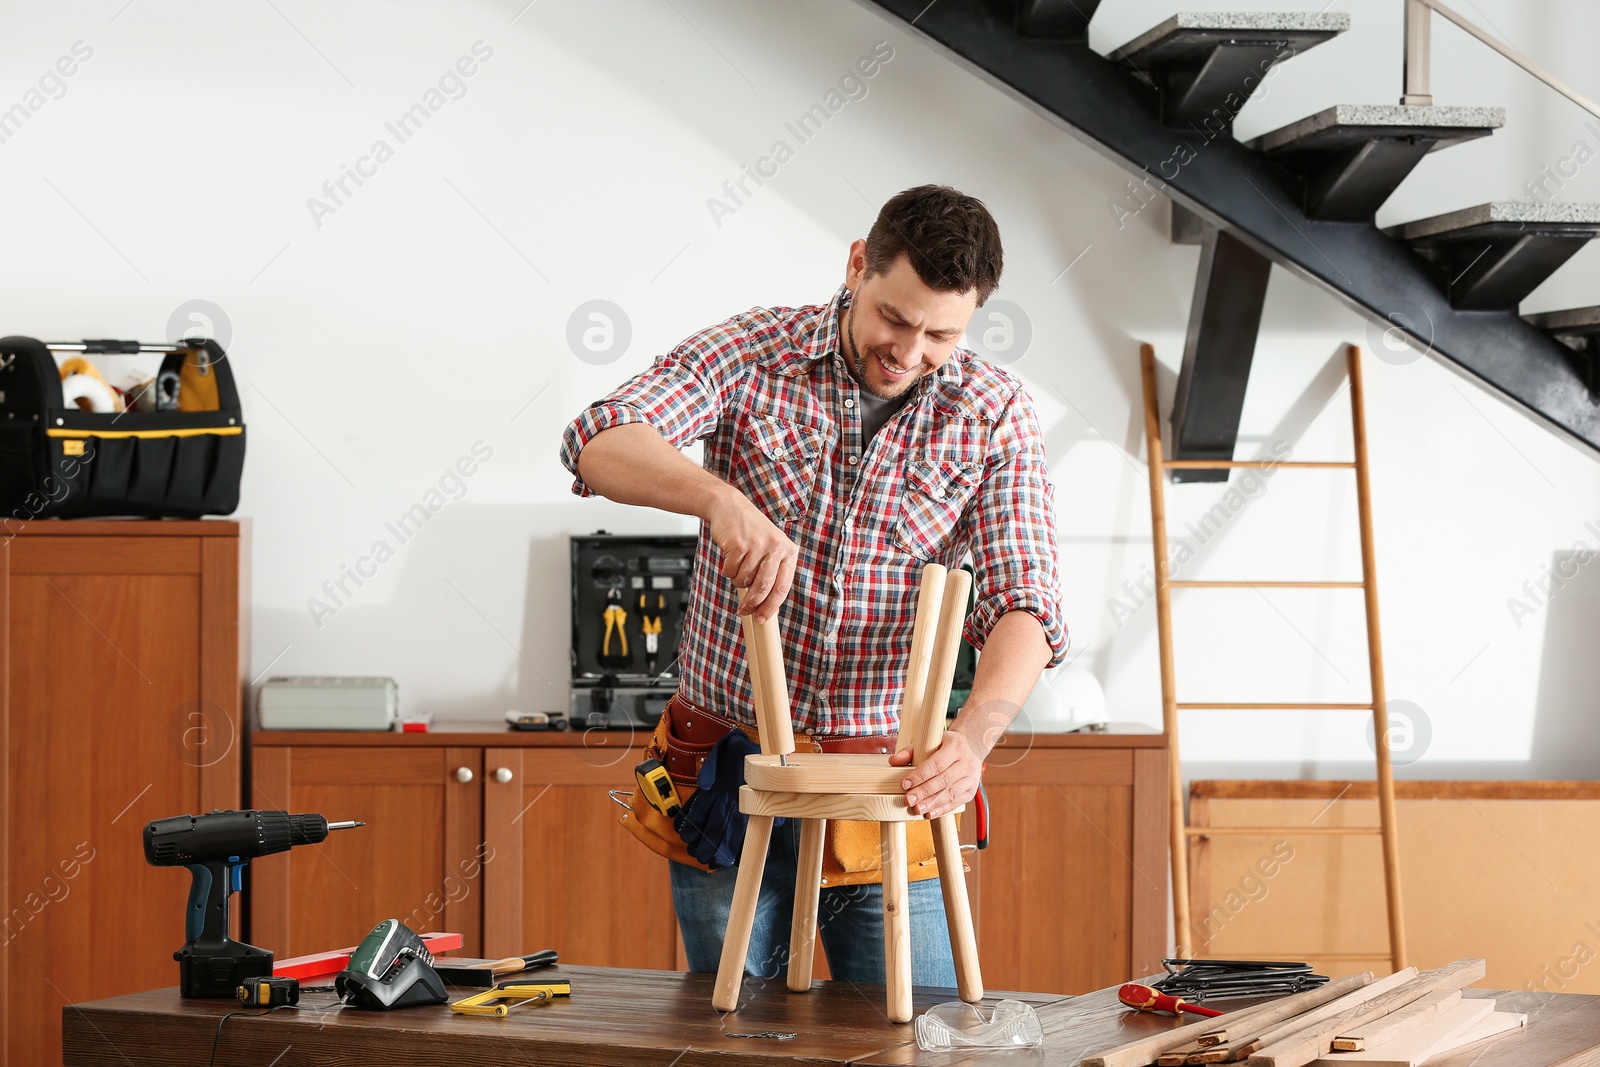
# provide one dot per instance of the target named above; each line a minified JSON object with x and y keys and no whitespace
{"x":778,"y":466}
{"x":939,"y":487}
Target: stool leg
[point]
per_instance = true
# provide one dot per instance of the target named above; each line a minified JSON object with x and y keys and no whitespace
{"x":896,"y":922}
{"x":742,"y":913}
{"x":807,"y":894}
{"x":957,"y":910}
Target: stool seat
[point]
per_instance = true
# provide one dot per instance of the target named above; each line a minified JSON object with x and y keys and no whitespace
{"x":825,"y":772}
{"x":854,"y":807}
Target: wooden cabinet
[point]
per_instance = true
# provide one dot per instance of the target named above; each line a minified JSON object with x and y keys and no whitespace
{"x":120,"y":691}
{"x":527,"y":852}
{"x":414,"y":860}
{"x":516,"y":848}
{"x":566,"y":875}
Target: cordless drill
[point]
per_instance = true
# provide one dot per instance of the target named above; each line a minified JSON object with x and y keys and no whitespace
{"x":215,"y":848}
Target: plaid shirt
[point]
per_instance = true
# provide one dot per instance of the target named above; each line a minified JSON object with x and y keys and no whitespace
{"x":959,"y":469}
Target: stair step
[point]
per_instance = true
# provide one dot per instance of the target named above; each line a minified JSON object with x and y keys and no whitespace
{"x":1573,"y":322}
{"x":1352,"y":157}
{"x":1579,"y":330}
{"x":1206,"y":64}
{"x":1054,"y":18}
{"x":1493,"y":255}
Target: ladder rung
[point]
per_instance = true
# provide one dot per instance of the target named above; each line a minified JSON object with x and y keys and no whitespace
{"x":1277,"y":707}
{"x":1316,"y":831}
{"x":1225,"y":464}
{"x":1267,"y":585}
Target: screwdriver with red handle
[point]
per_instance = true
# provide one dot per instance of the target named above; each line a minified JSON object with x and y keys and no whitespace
{"x":1144,"y":998}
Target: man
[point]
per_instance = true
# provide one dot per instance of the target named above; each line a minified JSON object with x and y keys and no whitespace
{"x":847,"y":446}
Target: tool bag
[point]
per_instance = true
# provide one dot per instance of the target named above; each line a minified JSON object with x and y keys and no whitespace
{"x":57,"y":461}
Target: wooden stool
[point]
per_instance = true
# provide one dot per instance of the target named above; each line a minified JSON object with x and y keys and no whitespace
{"x":816,"y":787}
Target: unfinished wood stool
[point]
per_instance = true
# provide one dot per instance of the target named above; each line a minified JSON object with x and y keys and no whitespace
{"x":817,"y":786}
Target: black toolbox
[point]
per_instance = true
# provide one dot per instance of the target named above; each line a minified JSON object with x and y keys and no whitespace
{"x":626,"y":583}
{"x":57,"y":461}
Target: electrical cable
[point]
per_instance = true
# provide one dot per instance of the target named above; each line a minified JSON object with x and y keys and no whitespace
{"x":217,"y":1038}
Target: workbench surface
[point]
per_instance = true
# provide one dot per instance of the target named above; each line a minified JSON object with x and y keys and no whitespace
{"x":662,"y":1017}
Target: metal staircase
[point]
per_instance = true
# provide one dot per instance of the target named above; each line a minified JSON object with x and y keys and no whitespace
{"x":1302,"y":197}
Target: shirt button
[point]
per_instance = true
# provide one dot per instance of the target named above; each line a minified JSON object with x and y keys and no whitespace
{"x":852,"y":461}
{"x":938,"y":494}
{"x":778,"y":453}
{"x":849,"y":403}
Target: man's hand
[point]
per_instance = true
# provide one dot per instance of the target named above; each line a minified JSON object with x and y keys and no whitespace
{"x":755,"y":554}
{"x":945,"y":780}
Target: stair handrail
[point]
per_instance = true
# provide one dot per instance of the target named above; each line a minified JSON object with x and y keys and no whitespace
{"x":1418,"y":73}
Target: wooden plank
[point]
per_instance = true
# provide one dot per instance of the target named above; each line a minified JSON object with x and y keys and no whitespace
{"x":1179,"y":1055}
{"x":1310,"y":1042}
{"x":1492,"y":1025}
{"x":1234,"y":1026}
{"x":1399,"y":1022}
{"x":1416,"y":1045}
{"x":1147,"y":1049}
{"x":1242,"y":1045}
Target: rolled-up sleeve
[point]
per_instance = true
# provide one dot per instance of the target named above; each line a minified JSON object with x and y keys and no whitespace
{"x":682,"y":394}
{"x":1013,"y":533}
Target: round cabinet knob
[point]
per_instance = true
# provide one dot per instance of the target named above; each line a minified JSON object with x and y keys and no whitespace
{"x":463,"y":774}
{"x":503,"y":775}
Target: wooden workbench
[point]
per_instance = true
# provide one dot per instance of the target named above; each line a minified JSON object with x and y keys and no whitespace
{"x":662,"y":1017}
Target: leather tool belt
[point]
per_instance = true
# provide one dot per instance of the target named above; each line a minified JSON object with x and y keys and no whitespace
{"x":852,"y":851}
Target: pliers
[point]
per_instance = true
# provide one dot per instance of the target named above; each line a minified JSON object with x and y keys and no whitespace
{"x":650,"y":626}
{"x":616,"y":616}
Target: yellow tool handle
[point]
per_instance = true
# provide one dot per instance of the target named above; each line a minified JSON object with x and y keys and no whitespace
{"x":618,"y":618}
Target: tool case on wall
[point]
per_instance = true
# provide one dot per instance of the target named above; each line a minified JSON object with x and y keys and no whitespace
{"x":57,"y":461}
{"x":620,"y":682}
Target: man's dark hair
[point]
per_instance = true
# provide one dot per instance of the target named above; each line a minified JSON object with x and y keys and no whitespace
{"x":950,"y":238}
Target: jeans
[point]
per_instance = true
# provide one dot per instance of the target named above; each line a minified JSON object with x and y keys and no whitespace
{"x":849,"y":920}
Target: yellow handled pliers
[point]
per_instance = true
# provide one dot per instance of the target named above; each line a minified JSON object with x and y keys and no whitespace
{"x":650,"y":625}
{"x":617,"y":617}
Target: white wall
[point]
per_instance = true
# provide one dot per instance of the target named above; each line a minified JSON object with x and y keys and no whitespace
{"x":377,"y":343}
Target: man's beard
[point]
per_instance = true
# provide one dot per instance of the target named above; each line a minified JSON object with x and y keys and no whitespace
{"x":858,"y":362}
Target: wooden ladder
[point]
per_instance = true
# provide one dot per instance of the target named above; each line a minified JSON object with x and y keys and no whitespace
{"x":1181,"y":831}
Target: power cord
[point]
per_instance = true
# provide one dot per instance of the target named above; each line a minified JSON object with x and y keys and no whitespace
{"x":215,"y":1040}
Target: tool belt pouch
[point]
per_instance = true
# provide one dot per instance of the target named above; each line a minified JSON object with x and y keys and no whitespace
{"x":651,"y":827}
{"x":57,"y":461}
{"x":852,"y":852}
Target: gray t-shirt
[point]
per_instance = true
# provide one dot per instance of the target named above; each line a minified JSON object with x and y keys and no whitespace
{"x":875,"y":411}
